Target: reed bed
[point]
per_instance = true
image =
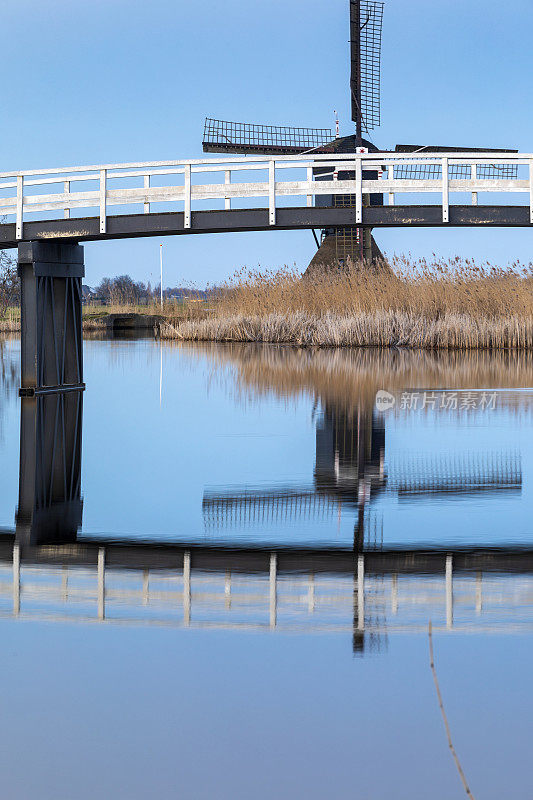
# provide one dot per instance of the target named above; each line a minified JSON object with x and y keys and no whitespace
{"x":9,"y":326}
{"x":380,"y":329}
{"x":454,"y":304}
{"x":10,"y":321}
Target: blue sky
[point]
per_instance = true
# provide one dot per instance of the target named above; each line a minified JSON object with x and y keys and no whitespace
{"x":114,"y":81}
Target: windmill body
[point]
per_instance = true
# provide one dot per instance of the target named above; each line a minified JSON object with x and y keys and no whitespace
{"x":340,"y":247}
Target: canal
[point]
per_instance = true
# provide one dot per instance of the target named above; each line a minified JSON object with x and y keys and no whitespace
{"x":265,"y":534}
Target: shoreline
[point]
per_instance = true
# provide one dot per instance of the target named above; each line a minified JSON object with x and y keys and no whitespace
{"x":378,"y":329}
{"x":104,"y":323}
{"x":382,"y":329}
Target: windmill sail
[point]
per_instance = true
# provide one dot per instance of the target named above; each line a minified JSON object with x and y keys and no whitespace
{"x":246,"y":138}
{"x":415,"y":172}
{"x":366,"y":23}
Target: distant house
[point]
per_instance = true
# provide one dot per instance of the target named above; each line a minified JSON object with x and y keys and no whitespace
{"x":180,"y":294}
{"x":88,"y":295}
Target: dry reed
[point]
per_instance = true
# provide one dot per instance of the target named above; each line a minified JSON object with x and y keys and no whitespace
{"x":455,"y":304}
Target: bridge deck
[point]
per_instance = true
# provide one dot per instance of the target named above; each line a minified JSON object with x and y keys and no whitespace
{"x":134,"y":555}
{"x":131,"y":226}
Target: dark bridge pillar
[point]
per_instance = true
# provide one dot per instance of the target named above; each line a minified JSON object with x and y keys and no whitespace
{"x":50,"y":505}
{"x":50,"y":277}
{"x":52,"y":387}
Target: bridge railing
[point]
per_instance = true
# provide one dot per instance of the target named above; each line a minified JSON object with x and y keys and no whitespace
{"x":268,"y":599}
{"x":147,"y":186}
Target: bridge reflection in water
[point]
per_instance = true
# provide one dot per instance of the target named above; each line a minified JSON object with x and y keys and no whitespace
{"x":367,"y":595}
{"x":50,"y":506}
{"x":366,"y":591}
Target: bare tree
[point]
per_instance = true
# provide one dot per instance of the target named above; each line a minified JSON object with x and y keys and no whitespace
{"x":122,"y":290}
{"x":9,"y":282}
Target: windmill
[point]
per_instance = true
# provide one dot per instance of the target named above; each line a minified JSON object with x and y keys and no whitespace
{"x":356,"y":243}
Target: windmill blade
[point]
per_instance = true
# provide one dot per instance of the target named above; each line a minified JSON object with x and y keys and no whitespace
{"x":457,"y":473}
{"x":456,"y":171}
{"x":266,"y":507}
{"x":366,"y":23}
{"x":246,"y":138}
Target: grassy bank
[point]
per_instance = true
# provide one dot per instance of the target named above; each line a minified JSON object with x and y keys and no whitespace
{"x":98,"y":318}
{"x":107,"y":318}
{"x":450,"y":305}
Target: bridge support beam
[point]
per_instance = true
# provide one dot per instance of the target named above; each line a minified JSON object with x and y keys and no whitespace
{"x":51,"y":336}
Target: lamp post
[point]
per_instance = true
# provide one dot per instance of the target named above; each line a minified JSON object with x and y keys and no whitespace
{"x":161,"y":265}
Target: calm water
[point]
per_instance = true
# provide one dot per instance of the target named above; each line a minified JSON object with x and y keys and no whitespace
{"x":244,"y":609}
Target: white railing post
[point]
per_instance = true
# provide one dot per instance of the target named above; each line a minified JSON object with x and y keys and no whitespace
{"x":64,"y":584}
{"x":101,"y":583}
{"x":394,"y":594}
{"x":309,"y":181}
{"x":66,"y":189}
{"x":16,"y":579}
{"x":273,"y":589}
{"x":20,"y":210}
{"x":103,"y":200}
{"x":361,"y":593}
{"x":449,"y":591}
{"x":187,"y":193}
{"x":531,"y":191}
{"x":227,"y":182}
{"x":474,"y":179}
{"x":146,"y":189}
{"x":227,"y":589}
{"x":479,"y":593}
{"x":146,"y":587}
{"x":272,"y":192}
{"x":391,"y":178}
{"x":358,"y":190}
{"x":445,"y":191}
{"x":187,"y":587}
{"x":311,"y":593}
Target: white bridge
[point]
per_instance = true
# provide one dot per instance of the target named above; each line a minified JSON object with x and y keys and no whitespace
{"x":249,"y":193}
